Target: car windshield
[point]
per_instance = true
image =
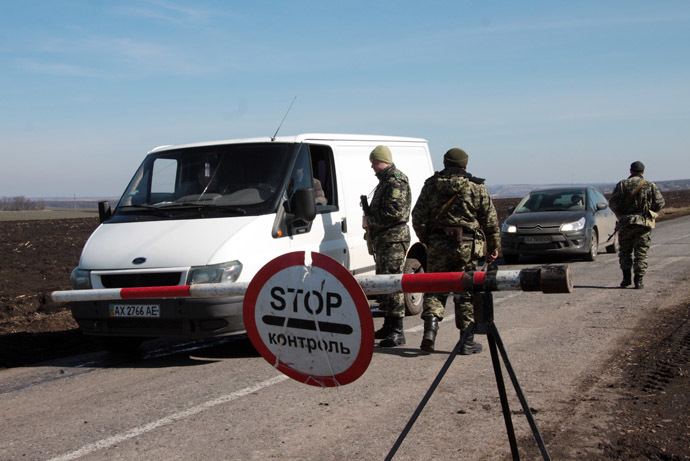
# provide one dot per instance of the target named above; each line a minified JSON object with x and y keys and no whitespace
{"x":552,"y":200}
{"x":220,"y":180}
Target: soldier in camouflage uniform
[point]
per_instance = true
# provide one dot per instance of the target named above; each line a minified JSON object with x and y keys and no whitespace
{"x":387,"y":226}
{"x":455,"y":217}
{"x":632,"y":200}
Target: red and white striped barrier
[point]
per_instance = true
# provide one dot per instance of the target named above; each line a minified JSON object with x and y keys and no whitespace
{"x":547,"y":279}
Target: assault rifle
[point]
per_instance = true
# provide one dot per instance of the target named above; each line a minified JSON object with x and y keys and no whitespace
{"x":615,"y":231}
{"x":364,"y":202}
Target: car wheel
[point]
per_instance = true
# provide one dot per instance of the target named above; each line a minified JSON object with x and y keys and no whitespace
{"x":593,"y":247}
{"x":613,"y":248}
{"x":511,"y":259}
{"x":414,"y":302}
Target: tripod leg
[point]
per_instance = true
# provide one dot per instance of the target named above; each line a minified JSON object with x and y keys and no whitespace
{"x":493,"y":335}
{"x":427,"y":396}
{"x":504,"y":398}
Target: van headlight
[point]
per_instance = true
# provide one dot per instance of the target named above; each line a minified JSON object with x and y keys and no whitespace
{"x":509,"y":228}
{"x":216,"y":273}
{"x":573,"y":226}
{"x":80,"y":279}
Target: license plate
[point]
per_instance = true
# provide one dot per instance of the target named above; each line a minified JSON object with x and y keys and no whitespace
{"x":135,"y":310}
{"x":541,"y":239}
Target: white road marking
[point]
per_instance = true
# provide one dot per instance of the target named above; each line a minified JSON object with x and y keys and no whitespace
{"x":137,"y":431}
{"x":669,"y":261}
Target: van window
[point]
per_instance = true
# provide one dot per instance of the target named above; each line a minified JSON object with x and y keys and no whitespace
{"x":314,"y":168}
{"x":323,"y":170}
{"x":164,"y":175}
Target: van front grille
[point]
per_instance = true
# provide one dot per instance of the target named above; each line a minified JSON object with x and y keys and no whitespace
{"x":124,"y":325}
{"x":150,"y":279}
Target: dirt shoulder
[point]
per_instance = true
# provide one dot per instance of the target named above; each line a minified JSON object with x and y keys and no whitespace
{"x":637,"y":406}
{"x":652,"y":414}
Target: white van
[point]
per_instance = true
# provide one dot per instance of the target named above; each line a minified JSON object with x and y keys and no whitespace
{"x":218,"y":211}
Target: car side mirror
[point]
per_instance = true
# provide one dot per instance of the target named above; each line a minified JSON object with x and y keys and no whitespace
{"x":601,"y":206}
{"x":511,"y":209}
{"x":104,"y":211}
{"x":303,"y":205}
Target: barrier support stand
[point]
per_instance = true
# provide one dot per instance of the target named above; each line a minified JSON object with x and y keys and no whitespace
{"x":484,"y":306}
{"x":484,"y":324}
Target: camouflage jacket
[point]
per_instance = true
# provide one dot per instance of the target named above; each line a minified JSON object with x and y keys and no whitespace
{"x":389,"y":210}
{"x":633,"y":211}
{"x":472,"y":209}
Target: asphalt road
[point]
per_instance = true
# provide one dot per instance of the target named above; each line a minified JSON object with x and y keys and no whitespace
{"x":220,"y":400}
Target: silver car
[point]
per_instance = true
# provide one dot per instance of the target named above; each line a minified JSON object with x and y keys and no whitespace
{"x":563,"y":220}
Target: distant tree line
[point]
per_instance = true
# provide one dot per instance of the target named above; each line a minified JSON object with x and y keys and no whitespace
{"x":20,"y":203}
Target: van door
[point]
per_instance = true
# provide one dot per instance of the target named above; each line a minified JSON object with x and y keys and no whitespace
{"x":315,"y":168}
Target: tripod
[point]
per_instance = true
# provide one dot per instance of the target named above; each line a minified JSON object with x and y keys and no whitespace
{"x":483,"y":324}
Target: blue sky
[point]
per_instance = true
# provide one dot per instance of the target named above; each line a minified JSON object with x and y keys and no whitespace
{"x":535,"y":92}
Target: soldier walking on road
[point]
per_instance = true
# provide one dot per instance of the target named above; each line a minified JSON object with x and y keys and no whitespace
{"x":635,"y":202}
{"x":386,"y":224}
{"x":456,"y":219}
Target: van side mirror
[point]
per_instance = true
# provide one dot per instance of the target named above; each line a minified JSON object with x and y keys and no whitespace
{"x":303,"y":206}
{"x":104,"y":211}
{"x":601,"y":206}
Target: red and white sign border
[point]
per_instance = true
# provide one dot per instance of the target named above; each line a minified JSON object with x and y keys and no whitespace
{"x":297,"y":258}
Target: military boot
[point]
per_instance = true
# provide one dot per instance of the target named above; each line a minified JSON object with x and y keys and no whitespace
{"x":626,"y":278}
{"x":470,"y":347}
{"x":385,"y":330}
{"x":396,"y":337}
{"x":429,"y":338}
{"x":638,"y":282}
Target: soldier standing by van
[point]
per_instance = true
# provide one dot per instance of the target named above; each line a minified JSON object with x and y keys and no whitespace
{"x":456,"y":219}
{"x":387,"y":226}
{"x":632,"y":200}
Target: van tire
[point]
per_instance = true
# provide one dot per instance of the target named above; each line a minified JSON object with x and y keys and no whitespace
{"x":511,"y":259}
{"x":414,"y":302}
{"x":121,"y":345}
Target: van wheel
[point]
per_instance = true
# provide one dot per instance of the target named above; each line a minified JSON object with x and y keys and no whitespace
{"x":511,"y":259}
{"x":414,"y":302}
{"x":121,"y":345}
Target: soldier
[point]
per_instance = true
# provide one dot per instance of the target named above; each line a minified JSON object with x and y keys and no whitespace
{"x":387,"y":226}
{"x":456,"y":219}
{"x":632,"y":200}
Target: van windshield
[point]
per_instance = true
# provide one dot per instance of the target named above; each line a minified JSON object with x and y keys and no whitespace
{"x":207,"y":181}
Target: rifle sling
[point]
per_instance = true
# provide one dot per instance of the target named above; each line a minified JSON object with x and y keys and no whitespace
{"x":443,"y":211}
{"x":632,"y":196}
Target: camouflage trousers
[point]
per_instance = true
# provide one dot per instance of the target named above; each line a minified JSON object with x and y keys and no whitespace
{"x":445,"y":255}
{"x":390,"y":259}
{"x":634,"y":241}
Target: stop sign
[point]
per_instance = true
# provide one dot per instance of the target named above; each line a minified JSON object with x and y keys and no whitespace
{"x":311,"y":321}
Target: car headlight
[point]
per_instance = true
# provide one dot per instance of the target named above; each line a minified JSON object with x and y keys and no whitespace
{"x":508,"y":228}
{"x":80,"y":279}
{"x":573,"y":226}
{"x":216,"y":273}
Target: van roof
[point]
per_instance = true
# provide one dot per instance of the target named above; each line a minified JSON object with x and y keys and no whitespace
{"x":297,"y":138}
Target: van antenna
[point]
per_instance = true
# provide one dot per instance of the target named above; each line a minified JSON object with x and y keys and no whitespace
{"x":281,"y":122}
